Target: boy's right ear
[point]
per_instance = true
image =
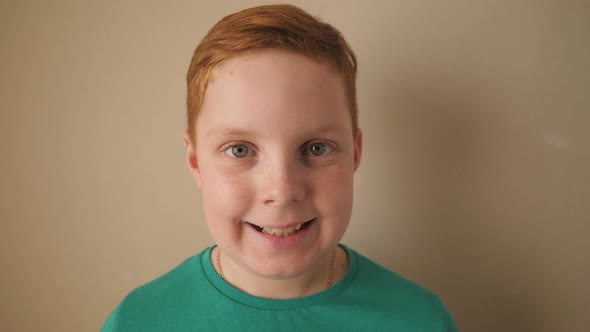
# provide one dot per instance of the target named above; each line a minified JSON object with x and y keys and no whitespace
{"x":191,"y":160}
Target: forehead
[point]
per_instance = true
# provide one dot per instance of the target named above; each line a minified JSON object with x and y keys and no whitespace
{"x":274,"y":88}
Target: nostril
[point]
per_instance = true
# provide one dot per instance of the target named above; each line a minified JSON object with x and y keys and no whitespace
{"x":283,"y":186}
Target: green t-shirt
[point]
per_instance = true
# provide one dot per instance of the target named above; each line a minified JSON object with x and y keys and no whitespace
{"x":192,"y":297}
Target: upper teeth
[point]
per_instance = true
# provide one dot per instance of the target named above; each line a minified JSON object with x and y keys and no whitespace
{"x":282,"y":232}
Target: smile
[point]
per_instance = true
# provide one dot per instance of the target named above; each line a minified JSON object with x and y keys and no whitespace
{"x":281,"y":232}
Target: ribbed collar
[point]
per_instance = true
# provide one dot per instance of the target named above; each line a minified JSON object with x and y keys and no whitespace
{"x":267,"y":304}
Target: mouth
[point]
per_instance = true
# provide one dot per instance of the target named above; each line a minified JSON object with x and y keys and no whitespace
{"x":282,"y":232}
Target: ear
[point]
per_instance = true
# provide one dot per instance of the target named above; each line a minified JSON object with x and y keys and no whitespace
{"x":358,"y":148}
{"x":191,"y":159}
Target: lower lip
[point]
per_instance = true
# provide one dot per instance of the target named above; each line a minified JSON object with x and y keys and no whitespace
{"x":282,"y":243}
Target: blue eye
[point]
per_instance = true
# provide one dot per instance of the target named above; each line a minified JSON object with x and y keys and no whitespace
{"x":318,"y":149}
{"x":238,"y":151}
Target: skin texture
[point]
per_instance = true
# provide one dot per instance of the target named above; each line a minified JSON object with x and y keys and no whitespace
{"x":273,"y":108}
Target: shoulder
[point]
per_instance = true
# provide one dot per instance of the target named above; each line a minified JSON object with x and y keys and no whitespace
{"x":179,"y":279}
{"x":387,"y":292}
{"x":163,"y":299}
{"x":377,"y":278}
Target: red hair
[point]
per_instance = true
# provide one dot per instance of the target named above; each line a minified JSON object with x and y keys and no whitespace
{"x":273,"y":26}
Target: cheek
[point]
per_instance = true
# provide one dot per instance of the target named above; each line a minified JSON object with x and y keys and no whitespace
{"x":335,"y":190}
{"x":225,"y":194}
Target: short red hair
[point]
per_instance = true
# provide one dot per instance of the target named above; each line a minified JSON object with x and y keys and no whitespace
{"x":272,"y":26}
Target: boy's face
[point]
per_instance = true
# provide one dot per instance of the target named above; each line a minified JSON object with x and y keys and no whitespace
{"x":274,"y":150}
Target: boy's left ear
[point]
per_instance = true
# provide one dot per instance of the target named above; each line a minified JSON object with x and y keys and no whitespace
{"x":358,"y":148}
{"x":191,"y":159}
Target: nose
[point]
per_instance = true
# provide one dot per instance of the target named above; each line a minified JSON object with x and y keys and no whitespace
{"x":282,"y":182}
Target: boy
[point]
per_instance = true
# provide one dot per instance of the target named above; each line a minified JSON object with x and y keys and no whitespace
{"x":273,"y":143}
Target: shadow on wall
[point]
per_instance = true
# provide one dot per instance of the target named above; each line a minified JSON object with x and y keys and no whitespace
{"x":451,"y":143}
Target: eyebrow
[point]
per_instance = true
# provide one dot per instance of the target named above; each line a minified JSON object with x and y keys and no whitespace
{"x":330,"y":128}
{"x":230,"y":131}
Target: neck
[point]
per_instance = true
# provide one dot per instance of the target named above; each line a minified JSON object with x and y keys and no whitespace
{"x":326,"y":272}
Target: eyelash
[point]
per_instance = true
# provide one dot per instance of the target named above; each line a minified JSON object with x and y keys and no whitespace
{"x":226,"y":148}
{"x":329,"y":146}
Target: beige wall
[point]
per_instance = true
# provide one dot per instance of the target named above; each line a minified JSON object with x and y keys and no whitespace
{"x":475,"y":181}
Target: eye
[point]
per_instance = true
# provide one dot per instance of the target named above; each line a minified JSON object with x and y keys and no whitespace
{"x":238,"y":151}
{"x":318,"y":149}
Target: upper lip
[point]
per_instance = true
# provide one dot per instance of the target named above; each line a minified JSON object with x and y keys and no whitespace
{"x":282,"y":226}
